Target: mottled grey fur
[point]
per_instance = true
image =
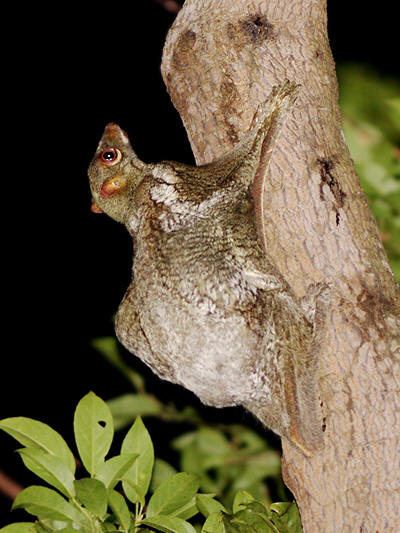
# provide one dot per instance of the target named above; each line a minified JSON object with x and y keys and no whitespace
{"x":206,"y":307}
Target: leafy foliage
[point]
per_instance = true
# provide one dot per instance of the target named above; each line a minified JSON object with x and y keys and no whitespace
{"x":371,"y":120}
{"x":94,"y":504}
{"x":226,"y":458}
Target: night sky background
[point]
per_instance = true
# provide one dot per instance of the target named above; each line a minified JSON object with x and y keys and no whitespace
{"x":66,"y":73}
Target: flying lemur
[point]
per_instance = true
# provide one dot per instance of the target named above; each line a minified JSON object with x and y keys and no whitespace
{"x":206,"y":307}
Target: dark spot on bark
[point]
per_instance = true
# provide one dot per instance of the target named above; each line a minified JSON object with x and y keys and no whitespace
{"x":337,"y":218}
{"x":183,"y":48}
{"x":257,"y":28}
{"x":230,"y":31}
{"x":184,"y":55}
{"x":324,"y":424}
{"x":326,"y":170}
{"x":318,"y":53}
{"x":187,"y":39}
{"x":349,"y":405}
{"x":376,"y":307}
{"x":232,"y":133}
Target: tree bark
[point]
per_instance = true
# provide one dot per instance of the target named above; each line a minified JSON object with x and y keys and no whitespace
{"x":221,"y":59}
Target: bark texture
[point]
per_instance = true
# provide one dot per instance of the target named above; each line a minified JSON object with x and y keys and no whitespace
{"x":221,"y":59}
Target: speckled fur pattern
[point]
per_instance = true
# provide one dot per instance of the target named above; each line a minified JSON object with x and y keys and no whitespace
{"x":206,"y":307}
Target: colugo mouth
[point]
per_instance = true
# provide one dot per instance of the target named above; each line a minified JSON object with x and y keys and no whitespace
{"x":95,"y":208}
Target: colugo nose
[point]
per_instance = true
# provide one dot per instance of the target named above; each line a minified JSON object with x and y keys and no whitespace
{"x":113,"y":132}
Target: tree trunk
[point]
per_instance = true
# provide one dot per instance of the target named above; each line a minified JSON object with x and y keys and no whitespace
{"x":221,"y":59}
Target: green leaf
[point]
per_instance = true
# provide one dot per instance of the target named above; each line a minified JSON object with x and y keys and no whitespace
{"x":247,"y":439}
{"x":212,"y":442}
{"x":280,"y":508}
{"x":32,"y":433}
{"x":94,"y":431}
{"x":70,"y":529}
{"x":214,"y":523}
{"x":126,"y":408}
{"x":169,"y":524}
{"x":184,"y":441}
{"x":188,"y":510}
{"x":46,"y":503}
{"x":19,"y":527}
{"x":255,"y":517}
{"x":161,"y":471}
{"x":247,"y":522}
{"x":41,"y":529}
{"x":289,"y":515}
{"x":108,"y":526}
{"x":47,"y":524}
{"x":115,"y":468}
{"x":192,"y":460}
{"x":242,"y":497}
{"x":394,"y":106}
{"x":108,"y":347}
{"x":172,"y":494}
{"x":93,"y":495}
{"x":136,"y":481}
{"x":266,"y":464}
{"x":120,"y":509}
{"x":50,"y":468}
{"x":207,"y":505}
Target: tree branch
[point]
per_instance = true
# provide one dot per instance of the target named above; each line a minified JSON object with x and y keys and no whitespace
{"x":170,"y":5}
{"x":220,"y":61}
{"x":9,"y":487}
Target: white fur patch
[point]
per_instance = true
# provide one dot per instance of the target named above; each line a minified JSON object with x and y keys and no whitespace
{"x":124,"y":138}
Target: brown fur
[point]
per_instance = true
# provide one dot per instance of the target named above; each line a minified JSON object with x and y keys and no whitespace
{"x":206,"y":307}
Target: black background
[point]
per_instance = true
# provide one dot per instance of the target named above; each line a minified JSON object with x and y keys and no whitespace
{"x":66,"y":73}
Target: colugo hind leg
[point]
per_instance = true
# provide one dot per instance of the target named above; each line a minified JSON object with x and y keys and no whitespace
{"x":291,"y":405}
{"x":131,"y":333}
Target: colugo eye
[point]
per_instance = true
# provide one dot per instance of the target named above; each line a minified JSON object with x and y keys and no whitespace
{"x":111,"y":156}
